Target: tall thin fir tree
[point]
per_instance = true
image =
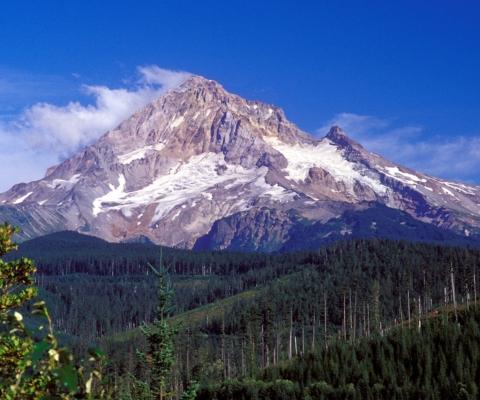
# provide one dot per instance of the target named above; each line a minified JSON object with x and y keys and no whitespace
{"x":160,"y":355}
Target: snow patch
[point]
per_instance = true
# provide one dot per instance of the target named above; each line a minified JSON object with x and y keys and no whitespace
{"x":460,"y":187}
{"x":140,"y":153}
{"x":327,"y":156}
{"x":176,"y":215}
{"x":42,"y":202}
{"x":186,"y":182}
{"x":275,"y":191}
{"x":21,"y":199}
{"x":177,"y":121}
{"x":410,"y":178}
{"x":207,"y":113}
{"x":446,"y":191}
{"x":111,"y":197}
{"x":64,"y":184}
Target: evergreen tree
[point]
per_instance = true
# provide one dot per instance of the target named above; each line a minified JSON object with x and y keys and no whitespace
{"x":159,"y":335}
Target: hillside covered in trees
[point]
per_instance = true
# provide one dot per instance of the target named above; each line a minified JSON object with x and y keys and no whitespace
{"x":250,"y":321}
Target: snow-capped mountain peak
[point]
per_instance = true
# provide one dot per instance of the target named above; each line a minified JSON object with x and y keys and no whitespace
{"x":199,"y":154}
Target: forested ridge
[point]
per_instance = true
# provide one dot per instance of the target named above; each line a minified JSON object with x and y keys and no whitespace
{"x":438,"y":361}
{"x":256,"y":317}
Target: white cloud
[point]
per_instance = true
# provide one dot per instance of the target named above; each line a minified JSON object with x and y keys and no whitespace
{"x":65,"y":130}
{"x":456,"y":158}
{"x":21,"y":163}
{"x":44,"y":133}
{"x":154,"y":75}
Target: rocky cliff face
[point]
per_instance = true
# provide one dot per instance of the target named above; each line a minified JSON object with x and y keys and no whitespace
{"x":200,"y":154}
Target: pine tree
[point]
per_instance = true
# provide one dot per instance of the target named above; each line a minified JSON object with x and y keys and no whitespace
{"x":159,"y":335}
{"x":160,"y":354}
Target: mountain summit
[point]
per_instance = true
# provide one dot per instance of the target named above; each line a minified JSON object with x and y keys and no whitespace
{"x":199,"y":154}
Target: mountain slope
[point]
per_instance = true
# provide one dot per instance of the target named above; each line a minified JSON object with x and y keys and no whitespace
{"x":199,"y":154}
{"x":269,"y":230}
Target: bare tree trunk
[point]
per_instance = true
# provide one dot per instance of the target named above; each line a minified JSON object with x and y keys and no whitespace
{"x":408,"y":305}
{"x":291,"y":329}
{"x":400,"y":305}
{"x":419,"y":314}
{"x":355,"y":318}
{"x":445,"y":302}
{"x":243,"y":356}
{"x":313,"y":332}
{"x":344,"y":325}
{"x":228,"y":364}
{"x":278,"y":347}
{"x":188,"y":347}
{"x":223,"y":346}
{"x":468,"y":297}
{"x":252,"y":358}
{"x":424,"y":289}
{"x":475,"y":288}
{"x":364,"y":320}
{"x":350,"y":316}
{"x":368,"y":320}
{"x":267,"y":356}
{"x":274,"y":353}
{"x":453,"y":292}
{"x":303,"y":339}
{"x":262,"y":363}
{"x":325,"y":321}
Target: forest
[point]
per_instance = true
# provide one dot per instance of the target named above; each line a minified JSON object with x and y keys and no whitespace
{"x":358,"y":318}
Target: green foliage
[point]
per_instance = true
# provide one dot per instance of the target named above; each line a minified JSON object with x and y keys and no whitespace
{"x":239,"y":307}
{"x":37,"y":370}
{"x":159,"y":335}
{"x":440,"y":361}
{"x":191,"y":392}
{"x":14,"y":274}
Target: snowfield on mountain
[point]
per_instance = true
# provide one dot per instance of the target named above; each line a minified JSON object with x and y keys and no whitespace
{"x":199,"y":154}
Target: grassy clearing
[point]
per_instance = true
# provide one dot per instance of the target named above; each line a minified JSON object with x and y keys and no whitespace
{"x":195,"y":316}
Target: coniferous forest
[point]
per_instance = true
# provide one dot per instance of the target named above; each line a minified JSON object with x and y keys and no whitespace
{"x":360,"y":318}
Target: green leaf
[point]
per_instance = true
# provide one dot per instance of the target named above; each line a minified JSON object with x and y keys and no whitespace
{"x":95,"y":352}
{"x":67,"y":378}
{"x":38,"y":350}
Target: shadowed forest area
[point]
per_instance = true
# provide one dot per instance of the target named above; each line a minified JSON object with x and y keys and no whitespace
{"x":363,"y":318}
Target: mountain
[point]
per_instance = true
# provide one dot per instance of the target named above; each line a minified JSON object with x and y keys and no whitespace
{"x":200,"y":154}
{"x":276,"y":231}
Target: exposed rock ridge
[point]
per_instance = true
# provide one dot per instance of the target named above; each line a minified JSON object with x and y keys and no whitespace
{"x":199,"y":154}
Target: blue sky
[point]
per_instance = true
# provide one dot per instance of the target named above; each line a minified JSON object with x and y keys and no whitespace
{"x":401,"y":78}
